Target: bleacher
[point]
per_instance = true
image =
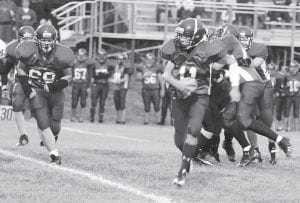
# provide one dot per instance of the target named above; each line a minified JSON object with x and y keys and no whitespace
{"x":136,"y":19}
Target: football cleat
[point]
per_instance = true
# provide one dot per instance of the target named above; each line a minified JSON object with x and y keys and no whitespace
{"x":286,"y":146}
{"x":248,"y":157}
{"x":258,"y":156}
{"x":23,"y":140}
{"x":202,"y":159}
{"x":55,"y":159}
{"x":227,"y":146}
{"x":179,"y":180}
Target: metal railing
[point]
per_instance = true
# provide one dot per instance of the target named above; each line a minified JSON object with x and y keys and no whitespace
{"x":137,"y":19}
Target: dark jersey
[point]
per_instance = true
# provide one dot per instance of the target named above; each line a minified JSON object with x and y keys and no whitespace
{"x":119,"y":73}
{"x":101,"y":72}
{"x":10,"y":60}
{"x":41,"y":70}
{"x":293,"y":84}
{"x":82,"y":71}
{"x":152,"y":80}
{"x":260,"y":50}
{"x":280,"y":84}
{"x":195,"y":64}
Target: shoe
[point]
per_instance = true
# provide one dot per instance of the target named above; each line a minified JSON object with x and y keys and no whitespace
{"x":286,"y":146}
{"x":214,"y":153}
{"x":289,"y":129}
{"x":279,"y":128}
{"x":73,"y":119}
{"x":80,"y":120}
{"x":258,"y":156}
{"x":227,"y":146}
{"x":42,"y":144}
{"x":23,"y":140}
{"x":179,"y":180}
{"x":123,"y":122}
{"x":118,"y":122}
{"x":202,"y":159}
{"x":56,"y":138}
{"x":145,"y":123}
{"x":100,"y":121}
{"x":248,"y":157}
{"x":55,"y":159}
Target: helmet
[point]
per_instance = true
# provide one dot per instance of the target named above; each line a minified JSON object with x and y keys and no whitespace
{"x":101,"y":55}
{"x":245,"y":36}
{"x":2,"y":49}
{"x":46,"y":36}
{"x":149,"y":59}
{"x":81,"y":54}
{"x":226,"y":29}
{"x":25,"y":33}
{"x":189,"y":33}
{"x":294,"y":67}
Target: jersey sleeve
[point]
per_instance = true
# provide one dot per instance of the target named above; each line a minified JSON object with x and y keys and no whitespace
{"x":168,"y":50}
{"x":259,"y":50}
{"x":233,"y":46}
{"x":25,"y":52}
{"x":65,"y":56}
{"x":216,"y":50}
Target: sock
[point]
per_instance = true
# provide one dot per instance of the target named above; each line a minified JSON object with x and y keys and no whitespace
{"x":260,"y":128}
{"x":48,"y":139}
{"x":188,"y":152}
{"x":278,"y":139}
{"x":239,"y":135}
{"x":20,"y":121}
{"x":228,"y":136}
{"x":246,"y":149}
{"x":203,"y":144}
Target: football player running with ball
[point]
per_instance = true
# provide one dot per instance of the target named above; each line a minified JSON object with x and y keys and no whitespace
{"x":190,"y":54}
{"x":44,"y":70}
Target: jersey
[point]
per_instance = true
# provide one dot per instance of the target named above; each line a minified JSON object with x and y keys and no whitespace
{"x":293,"y":84}
{"x":101,"y":72}
{"x":151,"y":81}
{"x":82,"y":71}
{"x":235,"y":49}
{"x":260,"y":50}
{"x":10,"y":60}
{"x":41,"y":70}
{"x":119,"y":73}
{"x":280,"y":84}
{"x":196,"y":63}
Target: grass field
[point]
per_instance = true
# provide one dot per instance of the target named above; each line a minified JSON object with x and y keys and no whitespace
{"x":134,"y":163}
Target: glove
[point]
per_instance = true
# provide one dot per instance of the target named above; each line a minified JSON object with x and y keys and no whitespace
{"x":244,"y":62}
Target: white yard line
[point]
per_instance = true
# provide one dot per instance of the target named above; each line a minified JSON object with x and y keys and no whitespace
{"x":104,"y":135}
{"x":88,"y":175}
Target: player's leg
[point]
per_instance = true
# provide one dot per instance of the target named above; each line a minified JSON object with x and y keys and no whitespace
{"x":18,"y":99}
{"x":117,"y":105}
{"x":94,"y":98}
{"x":164,"y":109}
{"x":252,"y":92}
{"x":296,"y":112}
{"x":42,"y":118}
{"x":156,"y":104}
{"x":83,"y":98}
{"x":123,"y":93}
{"x":147,"y":101}
{"x":103,"y":97}
{"x":286,"y":113}
{"x":56,"y":103}
{"x":198,"y":106}
{"x":279,"y":110}
{"x":75,"y":98}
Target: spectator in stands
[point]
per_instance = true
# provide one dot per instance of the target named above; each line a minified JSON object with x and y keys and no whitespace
{"x":280,"y":16}
{"x":199,"y":12}
{"x":7,"y":12}
{"x":244,"y":19}
{"x":25,"y":15}
{"x":185,"y":10}
{"x":42,"y":9}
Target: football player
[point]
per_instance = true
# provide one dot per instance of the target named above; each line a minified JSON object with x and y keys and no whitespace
{"x":258,"y":54}
{"x":120,"y":80}
{"x":81,"y":80}
{"x":44,"y":70}
{"x":23,"y":34}
{"x":192,"y":55}
{"x":99,"y":89}
{"x":293,"y":95}
{"x":149,"y":72}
